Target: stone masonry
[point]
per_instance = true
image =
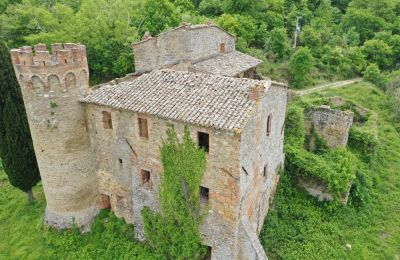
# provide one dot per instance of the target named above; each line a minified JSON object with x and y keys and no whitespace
{"x":101,"y":148}
{"x":333,"y":126}
{"x":51,"y":85}
{"x":202,"y":48}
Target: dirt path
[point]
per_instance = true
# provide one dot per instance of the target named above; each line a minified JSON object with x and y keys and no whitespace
{"x":336,"y":84}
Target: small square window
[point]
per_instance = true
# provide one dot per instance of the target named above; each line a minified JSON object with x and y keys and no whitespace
{"x":107,"y":121}
{"x":204,"y":194}
{"x":120,"y":161}
{"x":222,"y":47}
{"x":269,"y":122}
{"x":203,"y":140}
{"x":144,"y":177}
{"x":143,"y":128}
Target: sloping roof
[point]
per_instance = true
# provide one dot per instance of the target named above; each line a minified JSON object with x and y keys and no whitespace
{"x":195,"y":98}
{"x":229,"y":64}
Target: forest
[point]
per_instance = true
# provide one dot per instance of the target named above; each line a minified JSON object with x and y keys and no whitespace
{"x":336,"y":38}
{"x":302,"y":43}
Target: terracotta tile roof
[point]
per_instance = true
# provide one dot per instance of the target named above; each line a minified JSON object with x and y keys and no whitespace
{"x":229,"y":64}
{"x":195,"y":98}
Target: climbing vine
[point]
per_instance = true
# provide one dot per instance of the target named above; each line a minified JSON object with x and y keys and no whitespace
{"x":174,"y":232}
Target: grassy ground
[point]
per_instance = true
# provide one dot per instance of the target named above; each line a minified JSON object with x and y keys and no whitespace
{"x":300,"y":227}
{"x":22,"y":235}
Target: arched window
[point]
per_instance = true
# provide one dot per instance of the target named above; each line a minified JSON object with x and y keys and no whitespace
{"x":70,"y":80}
{"x":37,"y":85}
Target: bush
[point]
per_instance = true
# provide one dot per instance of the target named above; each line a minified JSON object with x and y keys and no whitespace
{"x":374,"y":75}
{"x":300,"y":66}
{"x":363,"y":141}
{"x":175,"y":232}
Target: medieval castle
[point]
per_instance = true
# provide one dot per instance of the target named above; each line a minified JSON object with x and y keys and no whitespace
{"x":99,"y":147}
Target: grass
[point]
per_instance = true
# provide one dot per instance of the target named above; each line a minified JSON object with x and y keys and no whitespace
{"x":298,"y":226}
{"x":23,"y":235}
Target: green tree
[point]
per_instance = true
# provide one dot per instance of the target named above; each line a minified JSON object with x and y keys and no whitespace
{"x":278,"y":42}
{"x":374,"y":75}
{"x":244,"y":27}
{"x":156,"y":16}
{"x":16,"y":148}
{"x":175,"y":232}
{"x":300,"y":67}
{"x":364,"y":22}
{"x":379,"y":52}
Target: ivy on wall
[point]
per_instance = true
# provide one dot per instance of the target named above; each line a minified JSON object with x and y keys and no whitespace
{"x":174,"y":232}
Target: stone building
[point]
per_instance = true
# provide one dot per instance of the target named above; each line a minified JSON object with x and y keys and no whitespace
{"x":202,"y":48}
{"x":101,"y":148}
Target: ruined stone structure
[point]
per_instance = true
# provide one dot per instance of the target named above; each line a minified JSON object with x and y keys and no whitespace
{"x":333,"y":126}
{"x":100,"y":148}
{"x":196,"y":48}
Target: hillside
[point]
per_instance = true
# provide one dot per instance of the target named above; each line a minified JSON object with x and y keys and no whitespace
{"x":297,"y":225}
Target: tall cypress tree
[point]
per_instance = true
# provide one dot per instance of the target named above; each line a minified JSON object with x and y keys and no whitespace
{"x":16,"y":148}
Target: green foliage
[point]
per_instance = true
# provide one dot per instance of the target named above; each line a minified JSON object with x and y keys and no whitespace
{"x":300,"y":66}
{"x":294,"y":126}
{"x":25,"y":237}
{"x":374,"y":75}
{"x":336,"y":168}
{"x":174,"y":233}
{"x":156,"y":16}
{"x":243,"y":27}
{"x":378,"y":52}
{"x":363,"y":141}
{"x":332,"y":30}
{"x":298,"y":226}
{"x":278,"y":42}
{"x":16,"y":148}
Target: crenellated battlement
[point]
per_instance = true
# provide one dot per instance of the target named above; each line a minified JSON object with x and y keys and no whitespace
{"x":39,"y":56}
{"x":60,"y":72}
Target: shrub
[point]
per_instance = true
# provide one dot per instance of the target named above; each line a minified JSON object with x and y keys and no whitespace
{"x":374,"y":75}
{"x":174,"y":233}
{"x":300,"y":66}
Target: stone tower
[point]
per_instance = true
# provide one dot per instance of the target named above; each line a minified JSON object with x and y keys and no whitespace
{"x":51,"y":85}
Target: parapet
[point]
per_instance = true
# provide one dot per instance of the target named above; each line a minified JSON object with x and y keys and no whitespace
{"x":39,"y":56}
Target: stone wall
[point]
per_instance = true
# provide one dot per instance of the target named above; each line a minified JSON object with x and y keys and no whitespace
{"x":122,"y":180}
{"x":259,"y":150}
{"x":183,"y":44}
{"x":249,"y":245}
{"x":331,"y":124}
{"x":51,"y":85}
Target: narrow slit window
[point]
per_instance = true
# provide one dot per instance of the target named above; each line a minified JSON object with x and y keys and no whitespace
{"x":107,"y":121}
{"x":204,"y":194}
{"x":222,"y":47}
{"x":144,"y":177}
{"x":269,"y":122}
{"x":204,"y":141}
{"x":265,"y":170}
{"x":143,"y":128}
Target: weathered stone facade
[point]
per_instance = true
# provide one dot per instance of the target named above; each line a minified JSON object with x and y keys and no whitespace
{"x":51,"y":86}
{"x":331,"y":124}
{"x":94,"y":155}
{"x":198,"y":48}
